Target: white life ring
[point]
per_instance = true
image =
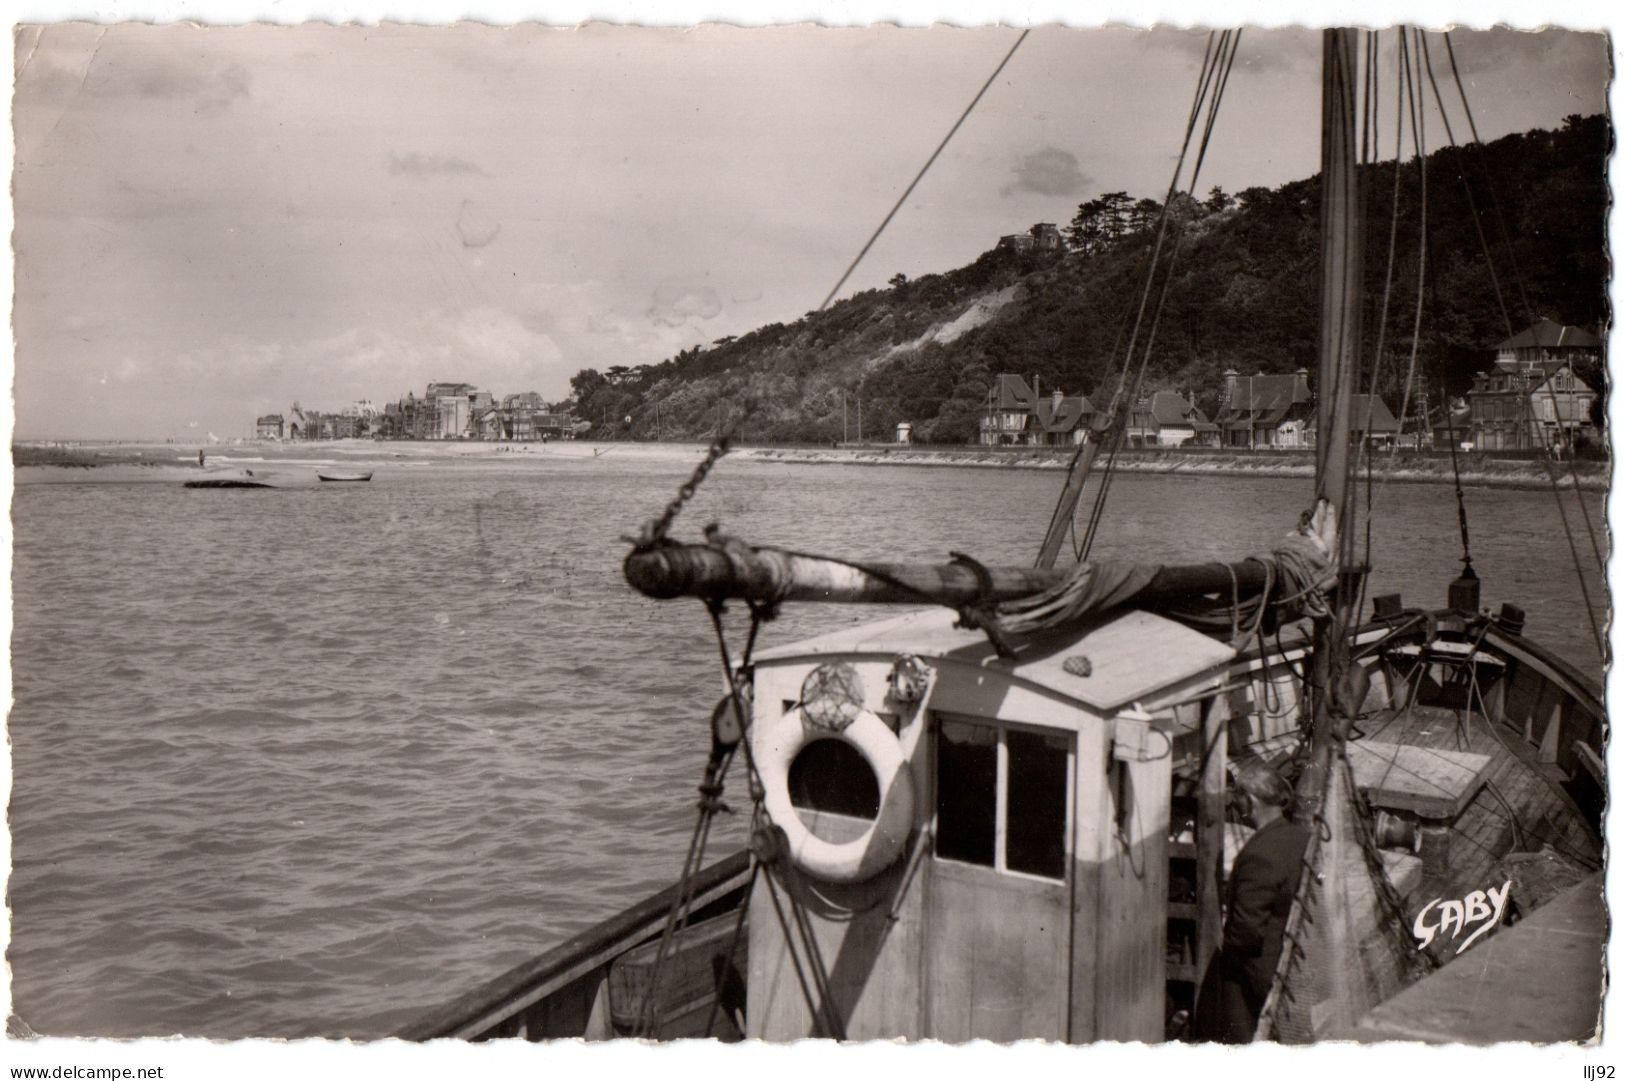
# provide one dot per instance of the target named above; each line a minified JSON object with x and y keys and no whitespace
{"x":863,"y":857}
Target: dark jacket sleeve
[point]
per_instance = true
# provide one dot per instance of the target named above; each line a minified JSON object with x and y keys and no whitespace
{"x":1254,"y":883}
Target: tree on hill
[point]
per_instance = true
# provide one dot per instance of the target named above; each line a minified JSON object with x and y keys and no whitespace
{"x":1242,"y":295}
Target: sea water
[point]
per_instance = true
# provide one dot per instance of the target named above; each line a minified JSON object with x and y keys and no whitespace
{"x":307,"y":761}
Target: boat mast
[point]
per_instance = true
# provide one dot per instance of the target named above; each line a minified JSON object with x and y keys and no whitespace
{"x":1342,"y":245}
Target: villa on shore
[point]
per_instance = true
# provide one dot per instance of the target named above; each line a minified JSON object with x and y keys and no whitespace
{"x":1538,"y":395}
{"x":445,"y":411}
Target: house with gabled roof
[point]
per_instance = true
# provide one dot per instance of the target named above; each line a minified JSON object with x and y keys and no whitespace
{"x":1266,"y":410}
{"x":1533,"y":398}
{"x":268,"y":427}
{"x":1011,"y":411}
{"x":1062,"y":420}
{"x":1370,"y":421}
{"x":1165,"y":418}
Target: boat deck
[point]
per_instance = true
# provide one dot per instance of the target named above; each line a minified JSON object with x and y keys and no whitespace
{"x":1517,"y":809}
{"x":1538,"y":981}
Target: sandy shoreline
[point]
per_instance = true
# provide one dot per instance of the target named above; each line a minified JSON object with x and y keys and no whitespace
{"x":1479,"y":471}
{"x":295,"y":464}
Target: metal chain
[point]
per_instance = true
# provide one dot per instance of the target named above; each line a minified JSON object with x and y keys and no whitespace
{"x":655,"y":530}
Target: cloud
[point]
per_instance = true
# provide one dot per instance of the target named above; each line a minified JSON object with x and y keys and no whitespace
{"x":595,"y":327}
{"x":1049,"y":171}
{"x":676,"y":304}
{"x":413,"y":163}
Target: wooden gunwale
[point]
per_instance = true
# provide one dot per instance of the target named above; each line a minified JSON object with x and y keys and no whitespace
{"x":482,"y":1009}
{"x":1557,"y":671}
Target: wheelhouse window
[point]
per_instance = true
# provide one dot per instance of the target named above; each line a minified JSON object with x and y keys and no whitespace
{"x":1036,"y":795}
{"x":1003,"y":796}
{"x":967,"y":792}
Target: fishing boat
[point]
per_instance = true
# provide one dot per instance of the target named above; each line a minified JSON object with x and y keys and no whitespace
{"x":1002,"y":814}
{"x":339,"y":476}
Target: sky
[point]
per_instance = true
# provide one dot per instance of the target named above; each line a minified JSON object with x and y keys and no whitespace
{"x":214,"y":222}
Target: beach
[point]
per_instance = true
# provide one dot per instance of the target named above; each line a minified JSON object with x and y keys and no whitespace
{"x":292,"y":463}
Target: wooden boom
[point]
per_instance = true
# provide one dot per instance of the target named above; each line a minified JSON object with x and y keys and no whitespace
{"x":768,"y":576}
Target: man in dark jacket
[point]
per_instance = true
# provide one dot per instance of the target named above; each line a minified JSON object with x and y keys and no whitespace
{"x":1262,"y":882}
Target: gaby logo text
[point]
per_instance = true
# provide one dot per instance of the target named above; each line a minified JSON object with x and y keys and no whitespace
{"x":1440,"y":917}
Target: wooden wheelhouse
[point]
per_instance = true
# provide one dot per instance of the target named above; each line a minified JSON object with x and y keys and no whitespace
{"x":1031,"y":897}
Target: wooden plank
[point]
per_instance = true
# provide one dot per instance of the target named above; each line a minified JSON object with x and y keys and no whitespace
{"x":997,"y":955}
{"x":1539,"y":981}
{"x":1494,"y":701}
{"x":1092,"y":841}
{"x":1540,"y":713}
{"x":1117,"y":652}
{"x":687,"y":978}
{"x":868,"y":942}
{"x":1525,"y":653}
{"x":1523,"y":687}
{"x":563,"y":1014}
{"x":1131,"y":945}
{"x":1552,"y":738}
{"x":1431,"y":783}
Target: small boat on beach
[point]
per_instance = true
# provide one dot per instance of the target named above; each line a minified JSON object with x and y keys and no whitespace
{"x":228,"y":482}
{"x":342,"y":476}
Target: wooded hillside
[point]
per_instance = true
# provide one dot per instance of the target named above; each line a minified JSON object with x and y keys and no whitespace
{"x":1243,"y":295}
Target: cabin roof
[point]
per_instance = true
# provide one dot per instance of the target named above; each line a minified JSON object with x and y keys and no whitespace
{"x":1171,"y":409}
{"x":1063,"y":416}
{"x":1014,"y":395}
{"x":1265,"y":399}
{"x":1132,"y":655}
{"x":1549,"y":334}
{"x":1382,"y":418}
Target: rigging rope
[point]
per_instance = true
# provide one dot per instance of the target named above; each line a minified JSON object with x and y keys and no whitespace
{"x":1524,"y":402}
{"x":1461,"y":497}
{"x":1121,"y":399}
{"x":1419,"y":144}
{"x":1517,"y":279}
{"x":1472,"y":203}
{"x":1495,"y":205}
{"x":1369,"y":155}
{"x":923,"y":170}
{"x":654,"y":533}
{"x":1215,"y":76}
{"x":711,"y":789}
